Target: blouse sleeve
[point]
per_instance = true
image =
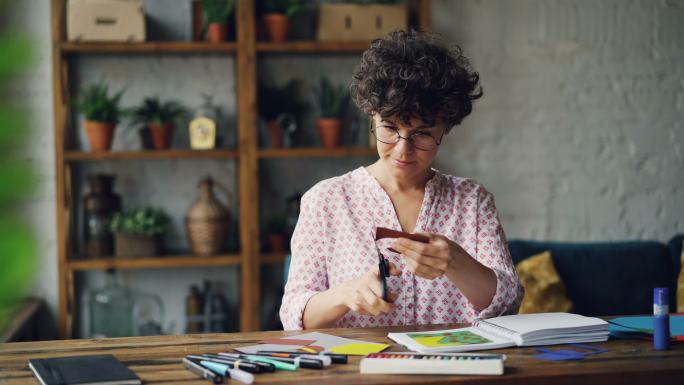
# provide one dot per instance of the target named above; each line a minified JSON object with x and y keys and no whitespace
{"x":492,"y":251}
{"x":308,"y":274}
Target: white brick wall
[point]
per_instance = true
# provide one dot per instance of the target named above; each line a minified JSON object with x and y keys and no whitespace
{"x":579,"y":134}
{"x":581,"y":128}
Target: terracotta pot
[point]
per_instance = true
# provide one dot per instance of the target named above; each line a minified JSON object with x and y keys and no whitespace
{"x":278,"y":25}
{"x":217,"y":32}
{"x":99,"y":135}
{"x":276,"y":242}
{"x":275,"y":133}
{"x":161,"y":135}
{"x":330,"y":131}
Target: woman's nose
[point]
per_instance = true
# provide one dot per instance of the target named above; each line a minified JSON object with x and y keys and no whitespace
{"x":404,"y":146}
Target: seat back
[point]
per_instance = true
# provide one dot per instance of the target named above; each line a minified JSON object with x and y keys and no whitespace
{"x":607,"y":278}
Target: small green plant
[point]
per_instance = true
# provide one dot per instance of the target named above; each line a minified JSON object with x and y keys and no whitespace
{"x":288,"y":7}
{"x":96,"y":104}
{"x":276,"y":100}
{"x":332,"y":100}
{"x":153,"y":111}
{"x":142,"y":221}
{"x":217,"y":11}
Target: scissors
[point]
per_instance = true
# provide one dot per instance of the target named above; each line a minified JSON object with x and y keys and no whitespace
{"x":380,"y":233}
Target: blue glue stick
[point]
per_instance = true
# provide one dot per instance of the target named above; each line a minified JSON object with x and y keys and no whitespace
{"x":661,"y":319}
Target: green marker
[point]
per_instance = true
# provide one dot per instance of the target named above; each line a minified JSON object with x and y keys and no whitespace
{"x":278,"y":364}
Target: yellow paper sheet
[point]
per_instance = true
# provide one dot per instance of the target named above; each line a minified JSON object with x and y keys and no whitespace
{"x":359,"y":349}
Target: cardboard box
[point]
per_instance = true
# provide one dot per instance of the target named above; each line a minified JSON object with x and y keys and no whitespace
{"x":354,"y":22}
{"x":105,"y":20}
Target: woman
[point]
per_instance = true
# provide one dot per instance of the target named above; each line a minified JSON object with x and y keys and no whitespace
{"x":415,"y":89}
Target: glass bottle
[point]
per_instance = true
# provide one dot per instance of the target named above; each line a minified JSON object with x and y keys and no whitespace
{"x":148,"y":314}
{"x":193,"y":310}
{"x":215,"y":309}
{"x":203,"y":127}
{"x":98,"y":207}
{"x":110,"y":309}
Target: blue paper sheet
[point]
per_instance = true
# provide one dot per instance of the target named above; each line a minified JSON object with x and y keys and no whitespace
{"x":645,"y":324}
{"x":581,"y":352}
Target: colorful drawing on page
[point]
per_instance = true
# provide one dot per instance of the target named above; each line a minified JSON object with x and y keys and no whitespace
{"x":456,"y":338}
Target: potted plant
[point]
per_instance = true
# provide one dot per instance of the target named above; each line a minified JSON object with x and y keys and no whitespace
{"x":333,"y":102}
{"x":138,"y":232}
{"x":19,"y":246}
{"x":276,"y":232}
{"x":277,"y":17}
{"x":159,"y":118}
{"x":274,"y":102}
{"x":215,"y":14}
{"x":101,"y":112}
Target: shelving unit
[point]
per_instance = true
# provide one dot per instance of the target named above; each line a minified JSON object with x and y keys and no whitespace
{"x":246,"y":51}
{"x":79,"y":156}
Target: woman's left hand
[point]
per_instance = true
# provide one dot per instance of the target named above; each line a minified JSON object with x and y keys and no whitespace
{"x":429,"y":260}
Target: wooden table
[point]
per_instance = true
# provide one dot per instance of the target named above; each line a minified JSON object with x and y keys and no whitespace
{"x":157,"y":361}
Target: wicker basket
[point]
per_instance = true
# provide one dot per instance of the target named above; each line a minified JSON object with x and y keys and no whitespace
{"x":135,"y":245}
{"x":207,"y":236}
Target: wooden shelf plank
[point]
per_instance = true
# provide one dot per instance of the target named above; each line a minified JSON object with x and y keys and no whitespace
{"x":316,"y":152}
{"x":313,"y":47}
{"x":149,"y":154}
{"x":272,"y":258}
{"x":149,"y":47}
{"x":153,"y":262}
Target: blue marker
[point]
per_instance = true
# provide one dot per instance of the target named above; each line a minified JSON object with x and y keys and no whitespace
{"x":661,"y":319}
{"x":224,"y":370}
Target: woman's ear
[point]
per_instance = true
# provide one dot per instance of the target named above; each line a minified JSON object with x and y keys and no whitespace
{"x":371,"y":122}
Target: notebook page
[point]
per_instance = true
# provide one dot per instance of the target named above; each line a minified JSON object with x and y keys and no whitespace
{"x":525,"y":324}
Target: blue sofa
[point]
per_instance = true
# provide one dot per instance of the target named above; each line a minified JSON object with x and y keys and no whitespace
{"x":611,"y":278}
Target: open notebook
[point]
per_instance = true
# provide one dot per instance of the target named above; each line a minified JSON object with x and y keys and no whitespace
{"x":506,"y":331}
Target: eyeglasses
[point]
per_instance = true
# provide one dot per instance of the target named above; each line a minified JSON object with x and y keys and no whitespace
{"x":420,"y":140}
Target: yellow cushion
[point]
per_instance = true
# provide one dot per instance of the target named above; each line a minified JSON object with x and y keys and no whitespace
{"x":680,"y":284}
{"x":544,"y":290}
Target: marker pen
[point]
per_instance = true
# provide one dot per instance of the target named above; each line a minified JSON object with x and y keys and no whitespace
{"x":299,"y":361}
{"x":235,"y":374}
{"x":262,"y":367}
{"x":661,"y":319}
{"x":334,"y":358}
{"x":324,"y":359}
{"x":249,"y":367}
{"x":202,"y":372}
{"x":278,"y":364}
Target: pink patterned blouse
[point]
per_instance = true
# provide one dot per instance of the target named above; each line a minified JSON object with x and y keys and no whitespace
{"x":333,"y":242}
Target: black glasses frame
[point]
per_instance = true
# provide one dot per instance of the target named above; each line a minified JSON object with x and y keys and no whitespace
{"x":409,"y":139}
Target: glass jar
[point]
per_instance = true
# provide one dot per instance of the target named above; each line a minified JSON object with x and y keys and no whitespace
{"x":203,"y":127}
{"x":98,"y":207}
{"x":110,"y":309}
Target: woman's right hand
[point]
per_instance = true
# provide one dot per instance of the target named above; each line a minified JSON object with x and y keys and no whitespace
{"x":364,"y":295}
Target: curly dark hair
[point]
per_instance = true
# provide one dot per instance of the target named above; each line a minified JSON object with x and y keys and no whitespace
{"x":413,"y":74}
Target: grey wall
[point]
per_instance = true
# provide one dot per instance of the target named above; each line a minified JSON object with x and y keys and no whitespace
{"x":579,"y":134}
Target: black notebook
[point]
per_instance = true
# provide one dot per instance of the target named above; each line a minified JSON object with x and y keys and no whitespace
{"x":83,"y":370}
